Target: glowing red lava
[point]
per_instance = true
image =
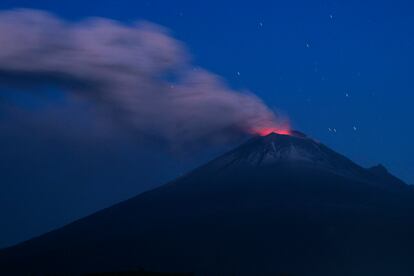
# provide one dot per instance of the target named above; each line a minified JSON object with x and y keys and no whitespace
{"x":267,"y":131}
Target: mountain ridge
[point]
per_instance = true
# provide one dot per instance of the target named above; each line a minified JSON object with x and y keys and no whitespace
{"x":246,"y":218}
{"x":302,"y":150}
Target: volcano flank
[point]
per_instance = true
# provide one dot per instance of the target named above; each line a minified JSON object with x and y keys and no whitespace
{"x":276,"y":205}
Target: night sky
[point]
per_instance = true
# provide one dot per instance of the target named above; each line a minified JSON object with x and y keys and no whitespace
{"x":341,"y":71}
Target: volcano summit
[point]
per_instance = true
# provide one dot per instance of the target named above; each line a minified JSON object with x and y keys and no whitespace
{"x":276,"y":204}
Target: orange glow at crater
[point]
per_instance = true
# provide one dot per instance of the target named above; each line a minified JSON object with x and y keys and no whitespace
{"x":281,"y":127}
{"x":267,"y":131}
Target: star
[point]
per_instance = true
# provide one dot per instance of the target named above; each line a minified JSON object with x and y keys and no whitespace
{"x":260,"y":24}
{"x":238,"y":73}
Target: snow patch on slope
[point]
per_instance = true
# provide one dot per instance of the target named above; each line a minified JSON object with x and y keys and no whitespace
{"x":276,"y":149}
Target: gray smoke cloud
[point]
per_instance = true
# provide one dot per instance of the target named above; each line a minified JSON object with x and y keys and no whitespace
{"x":137,"y":72}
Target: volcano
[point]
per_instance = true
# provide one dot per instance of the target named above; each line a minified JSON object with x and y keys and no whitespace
{"x":276,"y":205}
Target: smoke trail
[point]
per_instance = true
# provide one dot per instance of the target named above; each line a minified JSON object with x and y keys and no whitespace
{"x":139,"y":72}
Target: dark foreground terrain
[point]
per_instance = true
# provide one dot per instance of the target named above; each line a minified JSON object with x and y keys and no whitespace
{"x":277,"y":205}
{"x":137,"y":273}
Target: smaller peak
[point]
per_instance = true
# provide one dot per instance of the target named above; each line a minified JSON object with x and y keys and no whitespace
{"x":382,"y":175}
{"x":379,"y":169}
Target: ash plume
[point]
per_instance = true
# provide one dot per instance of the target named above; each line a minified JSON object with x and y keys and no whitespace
{"x":138,"y":72}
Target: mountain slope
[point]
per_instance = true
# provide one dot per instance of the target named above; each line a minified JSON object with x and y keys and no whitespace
{"x":276,"y":204}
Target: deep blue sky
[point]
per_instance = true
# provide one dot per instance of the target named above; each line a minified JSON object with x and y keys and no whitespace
{"x":338,"y":65}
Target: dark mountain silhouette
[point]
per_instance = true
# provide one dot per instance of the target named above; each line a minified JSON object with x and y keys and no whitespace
{"x":137,"y":273}
{"x":276,"y":205}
